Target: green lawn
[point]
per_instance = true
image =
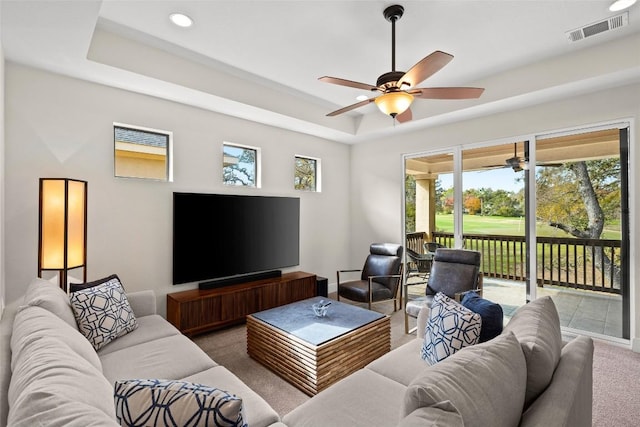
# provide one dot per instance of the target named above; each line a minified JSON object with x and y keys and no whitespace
{"x":509,"y":226}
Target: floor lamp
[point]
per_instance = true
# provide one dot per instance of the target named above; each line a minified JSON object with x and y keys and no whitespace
{"x":62,"y":236}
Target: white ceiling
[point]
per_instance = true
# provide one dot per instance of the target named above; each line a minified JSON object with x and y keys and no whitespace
{"x":260,"y":60}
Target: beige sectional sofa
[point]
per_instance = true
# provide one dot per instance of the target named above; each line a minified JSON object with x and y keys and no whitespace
{"x":50,"y":374}
{"x":526,"y":376}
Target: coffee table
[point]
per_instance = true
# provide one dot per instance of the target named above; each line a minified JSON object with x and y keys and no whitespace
{"x":314,"y":352}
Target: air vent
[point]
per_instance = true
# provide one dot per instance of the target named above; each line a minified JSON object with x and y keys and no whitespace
{"x":599,"y":27}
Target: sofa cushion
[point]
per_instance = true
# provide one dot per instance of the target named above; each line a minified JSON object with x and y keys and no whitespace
{"x":170,"y":403}
{"x":485,"y":382}
{"x":442,"y":414}
{"x":49,"y":296}
{"x":103,"y":313}
{"x":364,"y":398}
{"x":401,"y":364}
{"x":172,"y":358}
{"x":491,"y":313}
{"x":537,"y":327}
{"x":33,"y":322}
{"x":52,"y":385}
{"x":149,"y":328}
{"x":75,"y":287}
{"x":257,"y":411}
{"x":450,"y":328}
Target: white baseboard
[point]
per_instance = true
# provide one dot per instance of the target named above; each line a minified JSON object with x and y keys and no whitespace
{"x":635,"y":345}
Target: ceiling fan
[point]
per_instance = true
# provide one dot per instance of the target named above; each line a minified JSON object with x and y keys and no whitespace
{"x":397,"y":88}
{"x":518,"y":163}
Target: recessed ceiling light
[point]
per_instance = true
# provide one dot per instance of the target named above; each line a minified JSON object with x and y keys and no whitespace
{"x":362,"y":97}
{"x":181,"y":20}
{"x":621,"y":4}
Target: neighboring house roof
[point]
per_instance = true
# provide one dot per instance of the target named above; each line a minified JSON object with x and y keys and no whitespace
{"x":135,"y":136}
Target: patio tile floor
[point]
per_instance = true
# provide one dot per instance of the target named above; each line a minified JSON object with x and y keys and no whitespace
{"x":588,"y":311}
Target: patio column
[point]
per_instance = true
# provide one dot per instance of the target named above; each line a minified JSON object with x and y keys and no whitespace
{"x":426,"y":206}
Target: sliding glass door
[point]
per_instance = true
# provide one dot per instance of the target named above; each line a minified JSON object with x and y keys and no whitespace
{"x":582,"y":228}
{"x":549,"y":213}
{"x":494,"y":219}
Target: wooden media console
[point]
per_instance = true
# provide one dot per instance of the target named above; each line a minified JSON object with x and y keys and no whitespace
{"x":197,"y":311}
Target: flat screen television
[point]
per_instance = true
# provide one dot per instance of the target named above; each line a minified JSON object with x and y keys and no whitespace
{"x":219,"y":236}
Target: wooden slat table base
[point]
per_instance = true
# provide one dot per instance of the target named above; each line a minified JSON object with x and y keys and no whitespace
{"x":314,"y":368}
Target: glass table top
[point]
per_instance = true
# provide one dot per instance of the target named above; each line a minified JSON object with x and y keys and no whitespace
{"x":299,"y":320}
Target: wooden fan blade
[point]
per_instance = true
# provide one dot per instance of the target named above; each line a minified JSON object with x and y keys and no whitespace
{"x":447,"y":92}
{"x":351,"y":107}
{"x":428,"y":66}
{"x":405,"y":117}
{"x":349,"y":83}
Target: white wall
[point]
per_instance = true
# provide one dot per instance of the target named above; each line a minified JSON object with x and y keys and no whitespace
{"x":56,"y":126}
{"x":377,"y":173}
{"x":62,"y":127}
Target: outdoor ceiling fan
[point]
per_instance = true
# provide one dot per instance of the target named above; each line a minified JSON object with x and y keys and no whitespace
{"x":397,"y":88}
{"x":518,"y":163}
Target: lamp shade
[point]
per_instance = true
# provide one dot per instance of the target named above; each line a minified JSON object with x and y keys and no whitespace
{"x":394,"y":103}
{"x":63,"y":226}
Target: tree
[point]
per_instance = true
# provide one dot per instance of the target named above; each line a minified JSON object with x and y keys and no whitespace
{"x":439,"y":195}
{"x":472,"y":204}
{"x":505,"y":203}
{"x":305,"y":174}
{"x":410,"y":203}
{"x":241,"y":172}
{"x":579,"y":199}
{"x":447,"y":201}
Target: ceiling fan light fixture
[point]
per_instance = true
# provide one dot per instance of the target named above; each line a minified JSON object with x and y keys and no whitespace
{"x":394,"y":103}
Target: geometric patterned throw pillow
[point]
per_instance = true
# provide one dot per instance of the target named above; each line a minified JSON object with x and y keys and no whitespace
{"x":103,"y":313}
{"x":450,"y":327}
{"x":175,"y":403}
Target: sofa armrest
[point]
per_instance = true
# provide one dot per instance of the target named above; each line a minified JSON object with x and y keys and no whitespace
{"x":143,"y":303}
{"x":572,"y":384}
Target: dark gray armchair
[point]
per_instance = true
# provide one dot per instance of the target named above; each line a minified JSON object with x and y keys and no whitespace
{"x":380,"y":279}
{"x":454,"y":272}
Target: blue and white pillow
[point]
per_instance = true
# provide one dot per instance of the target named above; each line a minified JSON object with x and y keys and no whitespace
{"x":450,"y":328}
{"x":103,"y":313}
{"x":158,"y":403}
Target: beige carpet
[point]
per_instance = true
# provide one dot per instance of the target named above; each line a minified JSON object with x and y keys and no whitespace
{"x":616,"y":386}
{"x":616,"y":373}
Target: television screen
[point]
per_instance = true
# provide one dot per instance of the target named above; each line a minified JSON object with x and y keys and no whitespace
{"x":220,"y":235}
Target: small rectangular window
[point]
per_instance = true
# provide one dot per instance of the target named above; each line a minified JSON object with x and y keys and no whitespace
{"x":307,"y":174}
{"x":142,"y":152}
{"x":240,"y":165}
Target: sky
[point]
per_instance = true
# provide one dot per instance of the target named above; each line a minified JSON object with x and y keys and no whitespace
{"x":504,"y":179}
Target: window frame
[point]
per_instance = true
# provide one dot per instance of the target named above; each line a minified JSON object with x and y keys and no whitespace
{"x":257,"y":182}
{"x":168,"y":175}
{"x":317,"y":173}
